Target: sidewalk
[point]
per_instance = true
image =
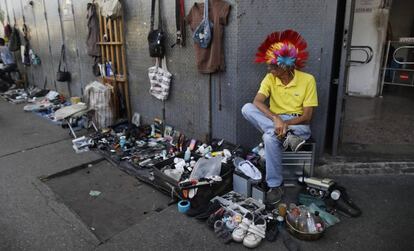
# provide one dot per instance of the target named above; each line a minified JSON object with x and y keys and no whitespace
{"x":32,"y":217}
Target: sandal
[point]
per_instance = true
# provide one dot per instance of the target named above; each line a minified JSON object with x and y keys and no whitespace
{"x":255,"y":233}
{"x":240,"y":232}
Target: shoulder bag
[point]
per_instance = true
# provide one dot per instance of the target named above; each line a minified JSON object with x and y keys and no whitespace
{"x":204,"y":31}
{"x":62,"y":75}
{"x":156,"y":37}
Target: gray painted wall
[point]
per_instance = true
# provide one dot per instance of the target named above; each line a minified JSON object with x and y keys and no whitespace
{"x":187,"y":108}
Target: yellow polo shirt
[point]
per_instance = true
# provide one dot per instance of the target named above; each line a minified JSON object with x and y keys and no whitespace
{"x":290,"y":98}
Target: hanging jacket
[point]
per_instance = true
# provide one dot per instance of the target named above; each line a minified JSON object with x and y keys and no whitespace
{"x":14,"y":41}
{"x":93,"y":31}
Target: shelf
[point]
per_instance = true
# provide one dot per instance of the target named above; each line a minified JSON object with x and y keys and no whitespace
{"x":110,"y":43}
{"x":112,"y":79}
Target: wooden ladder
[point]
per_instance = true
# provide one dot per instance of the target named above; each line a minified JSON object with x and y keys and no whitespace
{"x":112,"y":45}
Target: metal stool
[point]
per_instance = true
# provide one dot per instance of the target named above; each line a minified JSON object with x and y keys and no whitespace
{"x":301,"y":163}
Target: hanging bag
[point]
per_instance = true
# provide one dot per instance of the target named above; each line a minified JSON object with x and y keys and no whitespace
{"x":160,"y":79}
{"x":204,"y":31}
{"x":14,"y":41}
{"x":156,"y":38}
{"x":62,"y":75}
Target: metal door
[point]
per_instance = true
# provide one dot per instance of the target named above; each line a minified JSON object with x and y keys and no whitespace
{"x":343,"y":73}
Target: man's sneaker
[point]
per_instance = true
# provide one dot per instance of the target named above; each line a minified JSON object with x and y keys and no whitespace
{"x":294,"y":142}
{"x":274,"y":195}
{"x":285,"y":144}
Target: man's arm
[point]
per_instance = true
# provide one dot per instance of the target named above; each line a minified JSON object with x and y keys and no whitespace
{"x":304,"y":119}
{"x":280,"y":125}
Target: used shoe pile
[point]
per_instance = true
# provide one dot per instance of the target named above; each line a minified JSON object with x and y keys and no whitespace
{"x":18,"y":96}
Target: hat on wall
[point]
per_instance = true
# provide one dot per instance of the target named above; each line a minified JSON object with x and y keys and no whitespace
{"x":285,"y":49}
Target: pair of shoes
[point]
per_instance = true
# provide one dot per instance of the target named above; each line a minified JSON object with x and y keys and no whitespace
{"x":241,"y":230}
{"x":293,"y":142}
{"x":250,"y":231}
{"x":222,"y":231}
{"x":255,"y":234}
{"x":274,"y":195}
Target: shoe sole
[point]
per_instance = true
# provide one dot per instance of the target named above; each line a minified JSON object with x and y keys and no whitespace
{"x":299,"y":146}
{"x":273,"y":203}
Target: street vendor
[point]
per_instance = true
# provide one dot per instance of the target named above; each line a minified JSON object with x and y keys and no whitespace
{"x":292,"y":97}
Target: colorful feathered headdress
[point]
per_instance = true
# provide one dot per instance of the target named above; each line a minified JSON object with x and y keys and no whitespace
{"x":285,"y":49}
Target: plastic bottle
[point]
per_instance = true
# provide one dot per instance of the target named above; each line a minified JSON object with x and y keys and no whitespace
{"x":122,"y":141}
{"x":187,"y":154}
{"x":310,"y":222}
{"x":318,"y":222}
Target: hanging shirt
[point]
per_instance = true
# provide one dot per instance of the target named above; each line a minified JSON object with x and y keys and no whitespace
{"x":6,"y":55}
{"x":93,"y":31}
{"x":210,"y":59}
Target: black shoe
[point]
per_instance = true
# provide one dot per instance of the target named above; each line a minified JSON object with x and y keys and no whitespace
{"x":345,"y":205}
{"x":271,"y":230}
{"x":208,"y":210}
{"x":274,"y":195}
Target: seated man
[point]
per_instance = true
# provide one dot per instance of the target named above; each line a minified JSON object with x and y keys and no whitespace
{"x":292,"y":96}
{"x":9,"y":64}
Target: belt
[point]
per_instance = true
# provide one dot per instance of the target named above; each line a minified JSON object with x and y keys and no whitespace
{"x":293,"y":114}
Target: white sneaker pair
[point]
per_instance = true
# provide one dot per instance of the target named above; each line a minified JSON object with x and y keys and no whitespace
{"x":250,"y":231}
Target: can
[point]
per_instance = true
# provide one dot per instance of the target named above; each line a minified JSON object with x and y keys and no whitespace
{"x":282,"y":209}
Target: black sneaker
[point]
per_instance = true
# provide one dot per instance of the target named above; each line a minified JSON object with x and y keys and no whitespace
{"x":211,"y":208}
{"x":271,"y":230}
{"x":274,"y":195}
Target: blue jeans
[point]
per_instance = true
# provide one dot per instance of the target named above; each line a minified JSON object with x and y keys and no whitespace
{"x":273,"y":146}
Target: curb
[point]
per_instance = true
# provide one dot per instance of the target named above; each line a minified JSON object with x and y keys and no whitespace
{"x":364,"y":168}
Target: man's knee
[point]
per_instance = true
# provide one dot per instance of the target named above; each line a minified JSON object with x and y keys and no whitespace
{"x":247,"y":108}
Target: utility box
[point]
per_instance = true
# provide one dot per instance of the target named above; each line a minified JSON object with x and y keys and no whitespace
{"x":242,"y":184}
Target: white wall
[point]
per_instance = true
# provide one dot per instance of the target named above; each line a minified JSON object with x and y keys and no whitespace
{"x":370,"y":26}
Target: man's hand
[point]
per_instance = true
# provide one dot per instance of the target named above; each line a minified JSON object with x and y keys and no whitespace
{"x":280,"y":127}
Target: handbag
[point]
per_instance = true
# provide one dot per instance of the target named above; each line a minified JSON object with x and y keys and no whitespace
{"x":156,"y":37}
{"x":160,"y":79}
{"x":62,"y":76}
{"x":203,"y":33}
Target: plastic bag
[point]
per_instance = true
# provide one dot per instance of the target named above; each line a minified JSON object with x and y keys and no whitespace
{"x":207,"y":168}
